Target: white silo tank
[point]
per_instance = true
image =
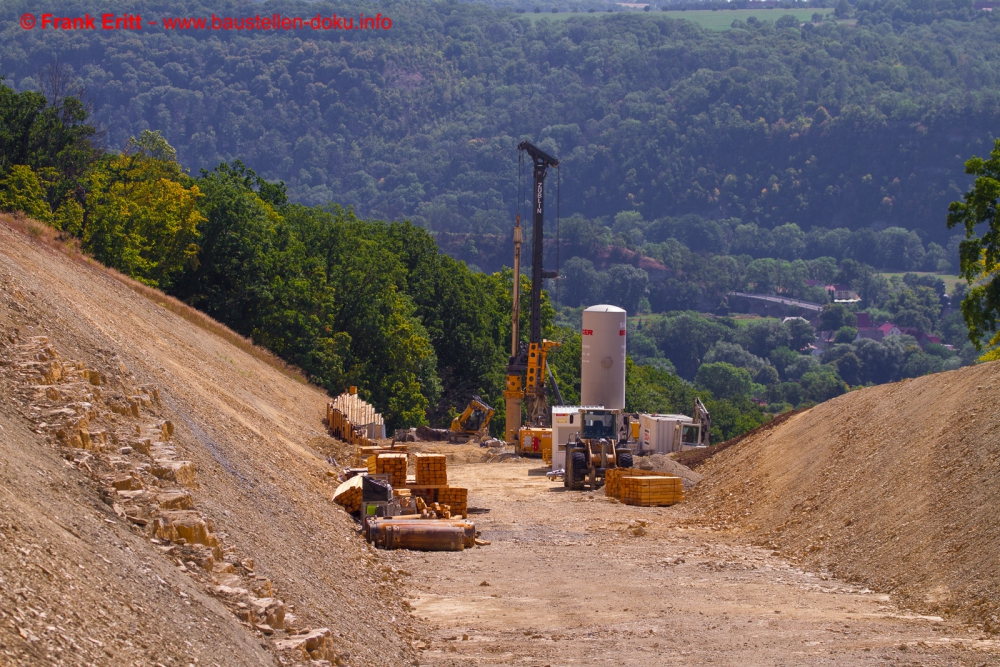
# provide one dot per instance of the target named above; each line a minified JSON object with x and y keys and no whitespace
{"x":602,"y":361}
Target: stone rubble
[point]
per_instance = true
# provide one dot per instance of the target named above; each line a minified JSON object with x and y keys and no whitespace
{"x":108,"y":428}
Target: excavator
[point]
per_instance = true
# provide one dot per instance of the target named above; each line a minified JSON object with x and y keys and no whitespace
{"x":528,"y":374}
{"x":474,"y":420}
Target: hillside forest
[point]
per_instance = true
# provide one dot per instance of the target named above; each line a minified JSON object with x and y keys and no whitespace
{"x":694,"y":164}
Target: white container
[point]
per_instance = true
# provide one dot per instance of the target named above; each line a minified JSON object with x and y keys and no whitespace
{"x":602,"y":359}
{"x":662,"y":434}
{"x":566,"y":421}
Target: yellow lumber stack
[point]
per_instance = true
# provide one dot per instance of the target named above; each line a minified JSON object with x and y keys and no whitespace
{"x":652,"y":491}
{"x":393,"y":465}
{"x":613,"y":479}
{"x":371,"y":463}
{"x":431,"y":470}
{"x":455,"y":498}
{"x":348,"y":494}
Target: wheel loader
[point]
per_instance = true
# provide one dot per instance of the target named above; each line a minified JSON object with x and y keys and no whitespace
{"x":596,"y":448}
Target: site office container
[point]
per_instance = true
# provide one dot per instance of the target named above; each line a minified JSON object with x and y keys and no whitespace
{"x":663,"y":434}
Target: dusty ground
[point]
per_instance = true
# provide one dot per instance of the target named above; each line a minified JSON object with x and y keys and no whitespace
{"x":564,"y":581}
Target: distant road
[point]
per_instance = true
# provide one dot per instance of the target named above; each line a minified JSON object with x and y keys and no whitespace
{"x":805,"y":305}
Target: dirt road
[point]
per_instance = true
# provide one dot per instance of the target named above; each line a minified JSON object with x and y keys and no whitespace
{"x":565,"y":581}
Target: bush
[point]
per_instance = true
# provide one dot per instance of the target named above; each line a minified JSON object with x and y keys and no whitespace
{"x":845,"y":335}
{"x":822,"y":383}
{"x":724,"y":380}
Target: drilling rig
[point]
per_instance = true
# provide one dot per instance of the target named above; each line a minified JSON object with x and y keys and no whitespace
{"x":527,"y":371}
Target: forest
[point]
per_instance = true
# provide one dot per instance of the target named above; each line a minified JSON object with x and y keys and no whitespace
{"x":371,"y":250}
{"x":350,"y":301}
{"x":836,"y":124}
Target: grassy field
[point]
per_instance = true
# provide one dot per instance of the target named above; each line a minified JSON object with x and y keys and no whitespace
{"x":949,"y":280}
{"x":706,"y":18}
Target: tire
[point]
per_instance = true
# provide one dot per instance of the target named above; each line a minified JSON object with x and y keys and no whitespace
{"x":625,"y":460}
{"x":580,"y":466}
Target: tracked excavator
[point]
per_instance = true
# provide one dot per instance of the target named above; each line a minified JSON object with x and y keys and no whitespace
{"x":475,"y":420}
{"x":528,"y":374}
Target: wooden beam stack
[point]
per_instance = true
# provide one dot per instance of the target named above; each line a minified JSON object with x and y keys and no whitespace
{"x":393,"y":465}
{"x":431,"y":470}
{"x":353,"y":420}
{"x":456,"y":498}
{"x":613,"y":479}
{"x":348,"y":494}
{"x":652,"y":491}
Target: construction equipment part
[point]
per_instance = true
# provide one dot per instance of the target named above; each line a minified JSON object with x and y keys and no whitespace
{"x":527,"y":368}
{"x":474,"y":420}
{"x":420,"y":534}
{"x":705,"y":420}
{"x":534,"y":441}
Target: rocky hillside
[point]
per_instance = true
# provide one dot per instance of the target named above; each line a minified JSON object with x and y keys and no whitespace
{"x":164,"y":496}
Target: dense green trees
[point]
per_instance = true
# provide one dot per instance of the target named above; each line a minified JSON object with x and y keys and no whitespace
{"x":825,"y":125}
{"x":980,"y":255}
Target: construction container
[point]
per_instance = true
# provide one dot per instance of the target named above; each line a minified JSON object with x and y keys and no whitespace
{"x":602,"y":359}
{"x":565,"y":424}
{"x":662,"y":434}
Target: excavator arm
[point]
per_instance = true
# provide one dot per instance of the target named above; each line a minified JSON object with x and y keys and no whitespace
{"x":702,"y":417}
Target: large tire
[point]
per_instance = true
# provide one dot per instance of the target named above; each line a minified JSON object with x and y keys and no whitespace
{"x":625,"y":460}
{"x":580,"y":466}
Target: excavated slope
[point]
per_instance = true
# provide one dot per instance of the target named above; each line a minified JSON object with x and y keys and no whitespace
{"x":897,"y":486}
{"x":163,"y":499}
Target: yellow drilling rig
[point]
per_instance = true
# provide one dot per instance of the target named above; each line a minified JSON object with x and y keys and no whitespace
{"x":528,"y":374}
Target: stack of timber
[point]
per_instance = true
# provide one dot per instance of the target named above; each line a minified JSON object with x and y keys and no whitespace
{"x":431,"y":470}
{"x":613,"y":479}
{"x":456,"y":498}
{"x":353,"y":420}
{"x":394,"y":465}
{"x":365,"y":456}
{"x":348,"y":494}
{"x":652,"y":491}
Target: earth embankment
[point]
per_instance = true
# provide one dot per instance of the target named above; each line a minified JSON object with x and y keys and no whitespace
{"x":894,"y":485}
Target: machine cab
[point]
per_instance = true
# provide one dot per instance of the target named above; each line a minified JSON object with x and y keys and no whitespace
{"x":599,"y":424}
{"x":688,"y":436}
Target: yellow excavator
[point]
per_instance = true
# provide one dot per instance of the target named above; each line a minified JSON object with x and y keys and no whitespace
{"x":528,"y":374}
{"x":474,"y":420}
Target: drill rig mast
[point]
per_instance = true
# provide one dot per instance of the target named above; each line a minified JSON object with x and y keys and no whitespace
{"x":527,"y":369}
